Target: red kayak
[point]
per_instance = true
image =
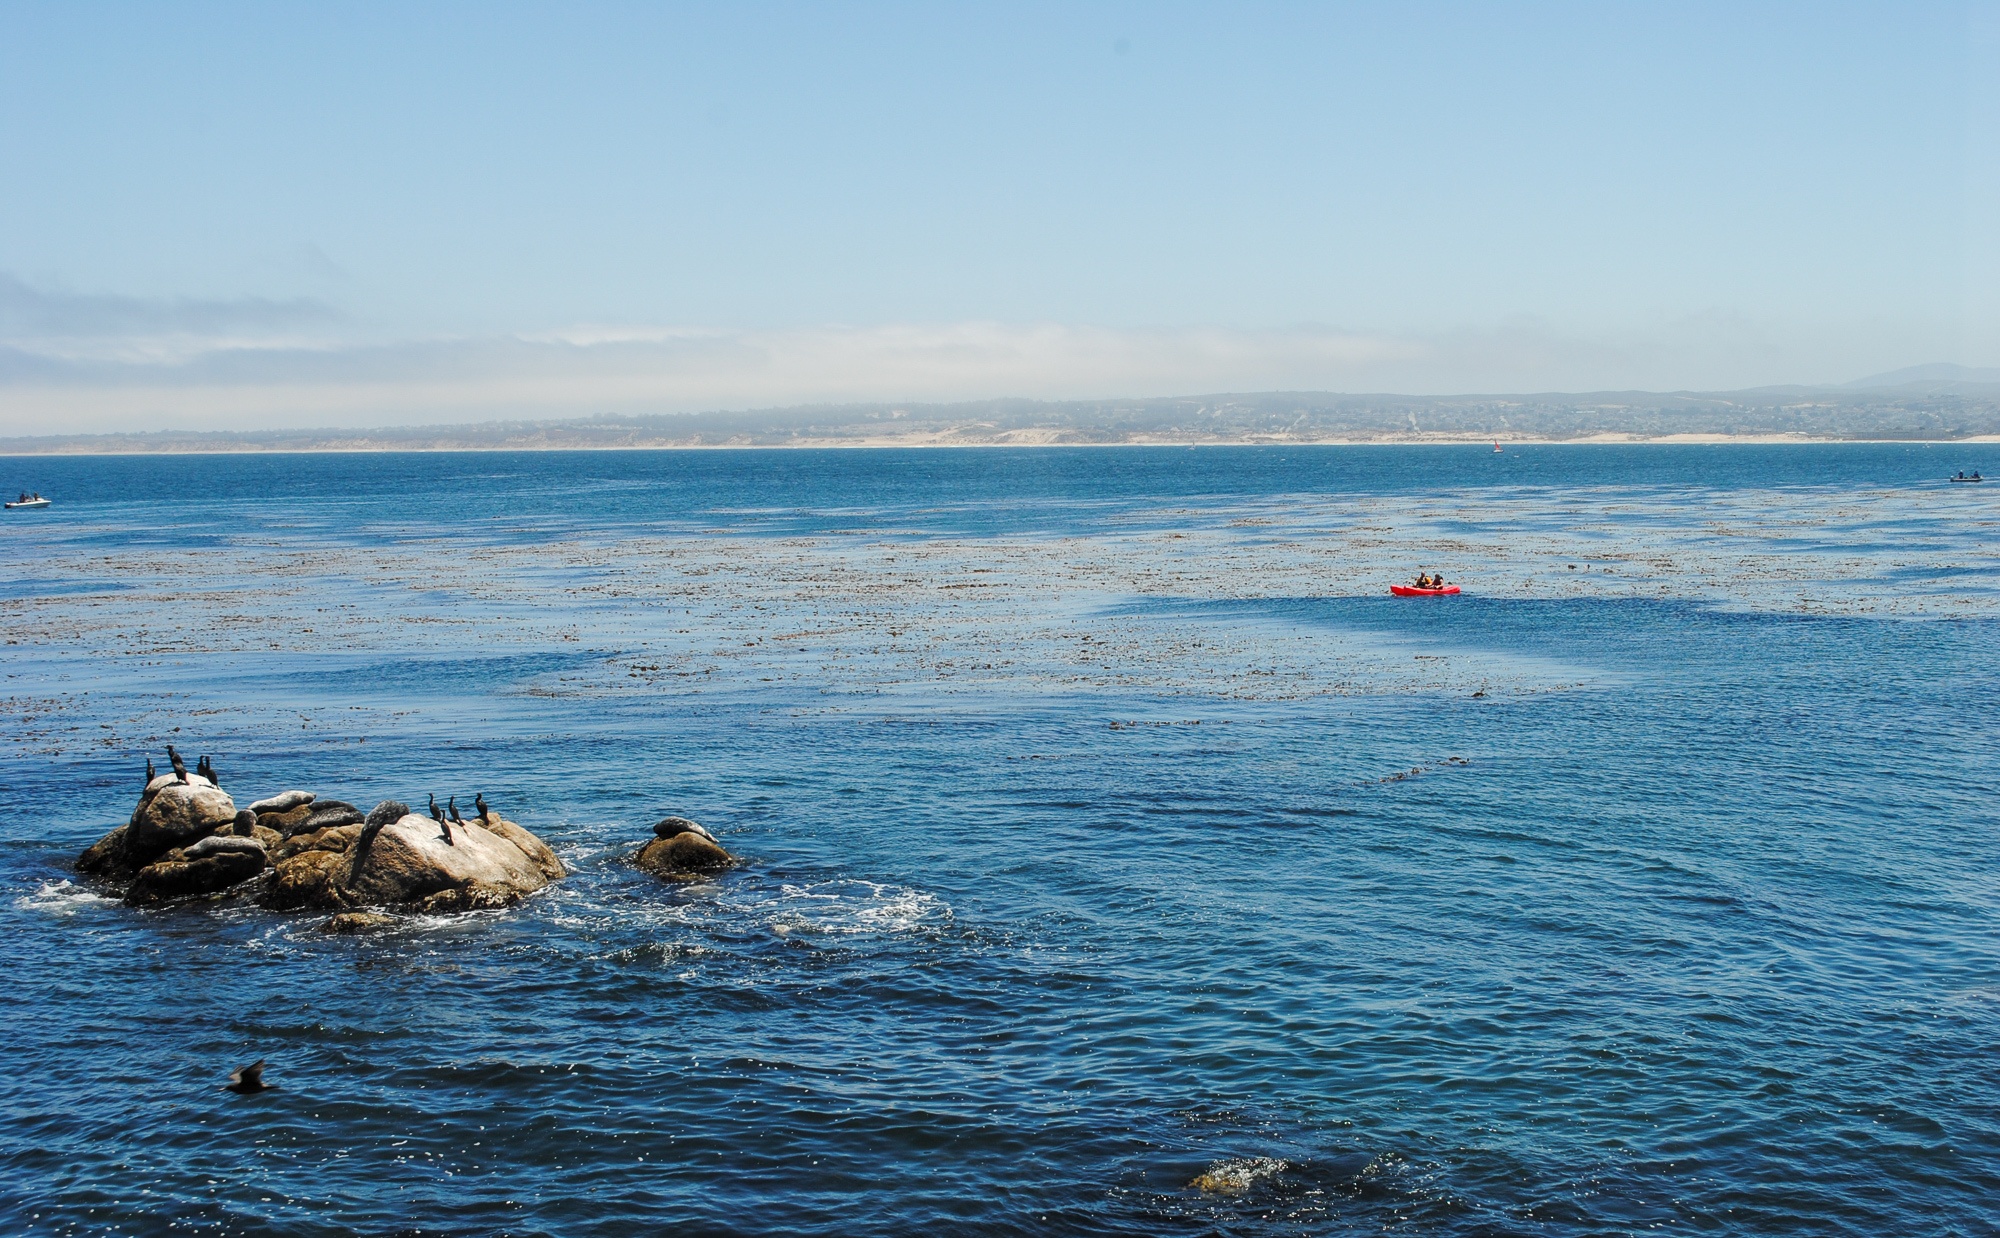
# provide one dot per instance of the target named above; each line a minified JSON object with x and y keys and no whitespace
{"x":1411,"y":591}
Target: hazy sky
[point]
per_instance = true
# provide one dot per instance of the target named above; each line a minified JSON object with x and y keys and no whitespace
{"x":289,"y":214}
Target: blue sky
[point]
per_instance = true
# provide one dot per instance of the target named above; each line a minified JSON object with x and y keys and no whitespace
{"x":282,"y":214}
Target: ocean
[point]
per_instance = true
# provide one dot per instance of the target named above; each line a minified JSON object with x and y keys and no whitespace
{"x":1119,"y":857}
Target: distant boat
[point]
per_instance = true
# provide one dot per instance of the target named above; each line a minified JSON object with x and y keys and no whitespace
{"x":24,"y":503}
{"x":1496,"y":447}
{"x":1411,"y":591}
{"x":1961,"y":477}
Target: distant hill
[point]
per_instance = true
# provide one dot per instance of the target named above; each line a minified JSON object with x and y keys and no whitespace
{"x":1944,"y":374}
{"x":1884,"y":407}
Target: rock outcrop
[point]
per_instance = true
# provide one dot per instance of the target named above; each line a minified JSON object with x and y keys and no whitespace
{"x":408,"y":860}
{"x":195,"y":871}
{"x":682,"y":850}
{"x":170,"y":814}
{"x":186,"y":840}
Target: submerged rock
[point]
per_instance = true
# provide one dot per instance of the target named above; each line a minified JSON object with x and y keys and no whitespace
{"x":358,"y":922}
{"x":682,"y":851}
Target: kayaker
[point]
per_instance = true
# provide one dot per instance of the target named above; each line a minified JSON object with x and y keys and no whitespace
{"x":1423,"y":580}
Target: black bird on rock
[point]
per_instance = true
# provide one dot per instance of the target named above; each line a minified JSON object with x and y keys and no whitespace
{"x":206,"y":770}
{"x":180,"y":766}
{"x":150,"y":775}
{"x":451,"y":806}
{"x":249,"y":1080}
{"x":437,"y":814}
{"x":479,"y":802}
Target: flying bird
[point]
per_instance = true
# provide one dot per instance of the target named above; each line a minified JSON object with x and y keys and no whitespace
{"x":249,"y":1080}
{"x":180,"y":766}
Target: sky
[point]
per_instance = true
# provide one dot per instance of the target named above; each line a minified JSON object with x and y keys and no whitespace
{"x":240,"y":216}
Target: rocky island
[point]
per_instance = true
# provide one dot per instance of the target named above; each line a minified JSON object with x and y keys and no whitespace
{"x":296,"y":851}
{"x":186,"y":839}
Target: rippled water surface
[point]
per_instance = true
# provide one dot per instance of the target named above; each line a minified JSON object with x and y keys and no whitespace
{"x":1120,"y":858}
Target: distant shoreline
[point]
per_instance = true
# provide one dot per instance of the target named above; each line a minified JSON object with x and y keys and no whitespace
{"x":19,"y":450}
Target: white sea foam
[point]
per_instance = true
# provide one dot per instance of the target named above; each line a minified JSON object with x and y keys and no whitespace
{"x":62,"y":898}
{"x":844,"y":907}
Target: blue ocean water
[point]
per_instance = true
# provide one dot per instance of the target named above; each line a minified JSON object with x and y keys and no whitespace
{"x":1094,"y":885}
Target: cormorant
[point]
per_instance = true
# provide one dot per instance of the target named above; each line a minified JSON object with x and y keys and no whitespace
{"x":437,"y":814}
{"x":206,"y":769}
{"x":249,"y":1080}
{"x":150,"y":775}
{"x":451,"y":807}
{"x":180,"y":766}
{"x":479,"y":802}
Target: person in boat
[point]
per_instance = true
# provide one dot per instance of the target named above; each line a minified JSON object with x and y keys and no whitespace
{"x":1424,"y":581}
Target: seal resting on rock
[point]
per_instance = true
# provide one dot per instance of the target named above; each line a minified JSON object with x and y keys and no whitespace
{"x":667,"y":827}
{"x":208,"y":867}
{"x":283,"y":801}
{"x":187,"y":840}
{"x":171,"y":814}
{"x":397,"y":859}
{"x":681,"y":850}
{"x":216,"y":843}
{"x":325,"y":815}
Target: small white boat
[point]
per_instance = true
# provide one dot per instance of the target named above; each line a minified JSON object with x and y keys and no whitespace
{"x":14,"y":505}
